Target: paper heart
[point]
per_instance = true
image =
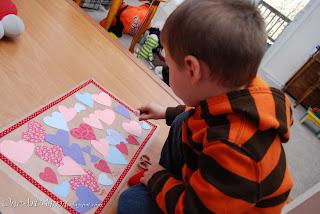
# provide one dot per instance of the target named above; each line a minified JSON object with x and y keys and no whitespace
{"x":79,"y":107}
{"x":132,"y":140}
{"x":101,"y":146}
{"x":87,"y":200}
{"x":114,"y":138}
{"x":70,"y":167}
{"x":122,"y":148}
{"x":60,"y":138}
{"x":88,"y":180}
{"x":20,"y":151}
{"x":56,"y":121}
{"x":102,"y":166}
{"x":48,"y":175}
{"x":115,"y":157}
{"x":67,"y":113}
{"x":107,"y":116}
{"x":94,"y":158}
{"x":35,"y":133}
{"x":63,"y":189}
{"x":93,"y":120}
{"x":145,"y":125}
{"x":105,"y":180}
{"x":84,"y":132}
{"x":74,"y":151}
{"x":85,"y":98}
{"x":52,"y":155}
{"x":120,"y":109}
{"x":86,"y":149}
{"x":102,"y":98}
{"x":132,"y":127}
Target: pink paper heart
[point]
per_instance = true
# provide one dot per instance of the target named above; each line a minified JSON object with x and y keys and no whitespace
{"x":35,"y":133}
{"x":49,"y":176}
{"x":52,"y":155}
{"x":101,"y":146}
{"x":70,"y":167}
{"x":67,"y":113}
{"x":87,"y":180}
{"x":84,"y":132}
{"x":132,"y":127}
{"x":93,"y":121}
{"x":107,"y":116}
{"x":122,"y":148}
{"x":20,"y":151}
{"x":102,"y":98}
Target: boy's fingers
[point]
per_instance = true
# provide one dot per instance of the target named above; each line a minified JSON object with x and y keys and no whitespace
{"x":144,"y":117}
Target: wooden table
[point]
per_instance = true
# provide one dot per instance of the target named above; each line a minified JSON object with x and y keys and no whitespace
{"x":61,"y":48}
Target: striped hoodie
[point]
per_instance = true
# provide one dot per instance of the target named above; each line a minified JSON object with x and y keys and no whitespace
{"x":234,"y":161}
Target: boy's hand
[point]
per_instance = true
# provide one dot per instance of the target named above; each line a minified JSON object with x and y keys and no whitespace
{"x":155,"y":167}
{"x":152,"y":111}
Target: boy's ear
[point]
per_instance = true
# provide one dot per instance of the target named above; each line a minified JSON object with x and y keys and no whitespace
{"x":193,"y":67}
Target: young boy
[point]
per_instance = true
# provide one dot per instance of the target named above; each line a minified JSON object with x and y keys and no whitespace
{"x":224,"y":154}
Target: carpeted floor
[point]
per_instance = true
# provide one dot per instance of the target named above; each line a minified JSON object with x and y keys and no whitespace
{"x":303,"y":149}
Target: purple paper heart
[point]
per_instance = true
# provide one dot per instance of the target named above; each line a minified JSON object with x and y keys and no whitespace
{"x":94,"y":159}
{"x":74,"y":151}
{"x":122,"y":111}
{"x":86,"y":149}
{"x":60,"y":138}
{"x":87,"y":200}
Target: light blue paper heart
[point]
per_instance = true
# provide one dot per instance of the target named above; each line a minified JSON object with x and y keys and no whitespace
{"x":63,"y":189}
{"x":145,"y":126}
{"x":105,"y":180}
{"x":85,"y":98}
{"x":79,"y":107}
{"x":114,"y":156}
{"x":114,"y":137}
{"x":120,"y":109}
{"x":56,"y":121}
{"x":87,"y":200}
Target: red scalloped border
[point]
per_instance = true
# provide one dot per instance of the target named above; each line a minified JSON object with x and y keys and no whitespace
{"x":42,"y":188}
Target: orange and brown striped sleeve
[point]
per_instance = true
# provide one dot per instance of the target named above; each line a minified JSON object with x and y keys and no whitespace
{"x":226,"y":181}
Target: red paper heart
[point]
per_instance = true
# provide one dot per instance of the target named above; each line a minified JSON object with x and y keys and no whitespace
{"x":122,"y":148}
{"x":132,"y":140}
{"x":49,"y":176}
{"x":102,"y":166}
{"x":84,"y":132}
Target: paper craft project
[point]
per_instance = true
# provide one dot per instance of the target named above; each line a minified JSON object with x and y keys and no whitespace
{"x":77,"y":149}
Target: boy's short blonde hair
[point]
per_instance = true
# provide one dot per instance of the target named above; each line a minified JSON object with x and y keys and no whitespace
{"x":228,"y":35}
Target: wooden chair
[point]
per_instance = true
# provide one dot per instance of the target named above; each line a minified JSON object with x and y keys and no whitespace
{"x":144,"y":26}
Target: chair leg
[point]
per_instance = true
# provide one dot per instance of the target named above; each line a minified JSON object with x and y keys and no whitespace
{"x":146,"y":22}
{"x":106,"y":23}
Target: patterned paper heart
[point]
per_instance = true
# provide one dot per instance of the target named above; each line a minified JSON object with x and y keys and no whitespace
{"x":102,"y":166}
{"x":84,"y":132}
{"x":60,"y":138}
{"x":107,"y":116}
{"x":51,"y":155}
{"x":93,"y":120}
{"x":132,"y":140}
{"x":101,"y":146}
{"x":88,"y":180}
{"x":132,"y":127}
{"x":20,"y":151}
{"x":122,"y":148}
{"x":67,"y":113}
{"x":102,"y":98}
{"x":70,"y":167}
{"x":35,"y":133}
{"x":49,"y":176}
